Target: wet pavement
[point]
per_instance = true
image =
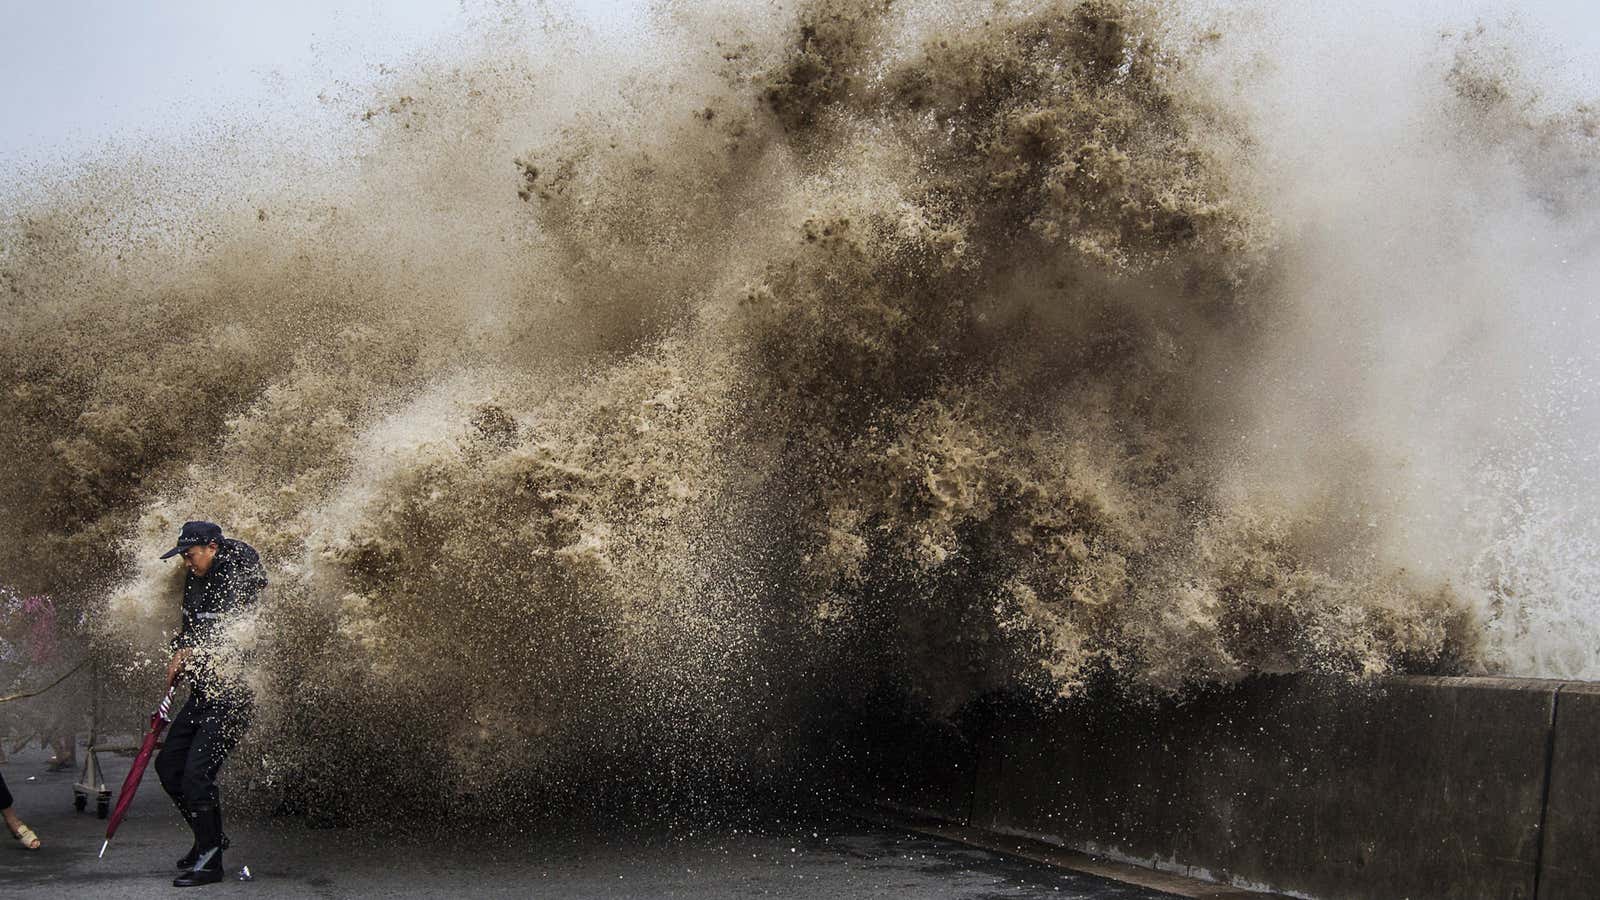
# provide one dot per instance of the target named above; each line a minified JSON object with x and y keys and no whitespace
{"x":844,"y":857}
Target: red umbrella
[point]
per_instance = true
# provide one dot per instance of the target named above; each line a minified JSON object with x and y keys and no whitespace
{"x":158,"y":724}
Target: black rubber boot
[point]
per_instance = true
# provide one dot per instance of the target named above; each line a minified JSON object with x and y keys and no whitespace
{"x":207,"y":870}
{"x":207,"y":866}
{"x":188,"y":859}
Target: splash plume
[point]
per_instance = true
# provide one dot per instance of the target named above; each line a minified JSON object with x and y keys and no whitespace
{"x":596,"y":416}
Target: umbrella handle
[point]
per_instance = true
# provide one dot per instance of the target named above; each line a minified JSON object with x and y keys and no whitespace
{"x":164,"y":710}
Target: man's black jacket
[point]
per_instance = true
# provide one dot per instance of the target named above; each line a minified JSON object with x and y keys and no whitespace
{"x":210,"y":601}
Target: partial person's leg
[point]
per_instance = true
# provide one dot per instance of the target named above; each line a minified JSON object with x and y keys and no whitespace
{"x":218,"y":727}
{"x":170,"y":764}
{"x":21,"y":832}
{"x":64,"y":751}
{"x":218,"y":730}
{"x":174,"y":755}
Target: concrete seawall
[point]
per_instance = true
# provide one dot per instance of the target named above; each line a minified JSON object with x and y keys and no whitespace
{"x":1410,"y":787}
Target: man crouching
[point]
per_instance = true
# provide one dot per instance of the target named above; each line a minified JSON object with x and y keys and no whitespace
{"x":224,"y":578}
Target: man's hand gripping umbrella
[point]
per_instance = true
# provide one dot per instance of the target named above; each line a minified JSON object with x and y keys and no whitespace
{"x":158,"y":723}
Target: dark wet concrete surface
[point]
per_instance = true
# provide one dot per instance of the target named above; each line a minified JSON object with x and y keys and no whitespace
{"x":841,"y":857}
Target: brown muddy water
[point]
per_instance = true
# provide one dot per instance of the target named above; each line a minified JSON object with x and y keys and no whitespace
{"x":665,"y":417}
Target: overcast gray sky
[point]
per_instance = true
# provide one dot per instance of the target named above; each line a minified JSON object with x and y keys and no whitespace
{"x":80,"y":74}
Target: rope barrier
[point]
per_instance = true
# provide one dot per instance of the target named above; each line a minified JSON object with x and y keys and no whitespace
{"x":26,"y":694}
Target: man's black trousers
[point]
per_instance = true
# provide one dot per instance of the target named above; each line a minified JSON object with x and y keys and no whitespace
{"x":203,"y":734}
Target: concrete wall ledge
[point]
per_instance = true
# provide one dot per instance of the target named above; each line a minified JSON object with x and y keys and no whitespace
{"x":1403,"y":787}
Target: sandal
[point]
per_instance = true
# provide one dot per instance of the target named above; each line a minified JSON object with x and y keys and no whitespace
{"x":26,"y":837}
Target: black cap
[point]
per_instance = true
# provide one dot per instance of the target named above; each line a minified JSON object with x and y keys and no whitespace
{"x":193,"y":535}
